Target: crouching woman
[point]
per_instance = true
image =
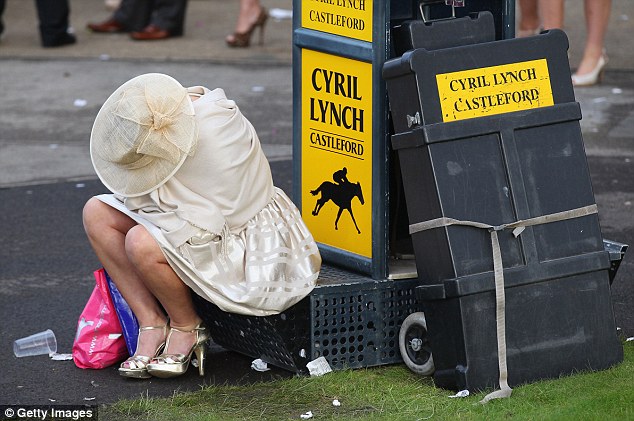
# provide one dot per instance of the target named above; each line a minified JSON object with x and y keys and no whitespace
{"x":193,"y":209}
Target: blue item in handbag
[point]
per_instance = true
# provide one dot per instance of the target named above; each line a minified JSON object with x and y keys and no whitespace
{"x":129,"y":323}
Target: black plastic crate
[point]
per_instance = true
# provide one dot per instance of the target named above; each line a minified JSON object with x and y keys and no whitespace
{"x":555,"y":325}
{"x":350,"y":320}
{"x":472,"y":29}
{"x":493,"y":169}
{"x":497,"y":167}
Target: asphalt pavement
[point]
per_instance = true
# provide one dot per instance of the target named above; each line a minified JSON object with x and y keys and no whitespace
{"x":48,"y":101}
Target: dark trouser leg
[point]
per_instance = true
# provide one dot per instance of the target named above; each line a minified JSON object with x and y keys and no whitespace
{"x":170,"y":15}
{"x":134,"y":14}
{"x":53,"y":17}
{"x":1,"y":11}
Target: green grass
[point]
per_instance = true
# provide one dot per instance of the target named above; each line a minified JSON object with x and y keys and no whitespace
{"x":394,"y":393}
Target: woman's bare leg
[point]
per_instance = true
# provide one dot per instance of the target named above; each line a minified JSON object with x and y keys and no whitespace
{"x":158,"y":276}
{"x":597,"y":18}
{"x":249,"y":12}
{"x":529,"y":18}
{"x":138,"y":267}
{"x":551,"y":13}
{"x":106,"y":229}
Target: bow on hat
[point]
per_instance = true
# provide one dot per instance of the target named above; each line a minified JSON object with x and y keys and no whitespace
{"x":163,"y":118}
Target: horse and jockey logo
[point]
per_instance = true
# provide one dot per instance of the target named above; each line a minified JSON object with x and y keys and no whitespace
{"x":341,"y":192}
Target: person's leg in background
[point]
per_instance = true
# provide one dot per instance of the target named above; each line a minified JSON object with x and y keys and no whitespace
{"x":538,"y":15}
{"x":134,"y":14}
{"x":53,"y":17}
{"x":2,"y":2}
{"x":170,"y":15}
{"x":131,"y":15}
{"x":551,"y":13}
{"x":167,"y":20}
{"x":594,"y":59}
{"x":252,"y":15}
{"x":529,"y":23}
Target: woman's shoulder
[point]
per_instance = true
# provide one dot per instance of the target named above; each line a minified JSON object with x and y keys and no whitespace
{"x":197,"y":90}
{"x":212,"y":94}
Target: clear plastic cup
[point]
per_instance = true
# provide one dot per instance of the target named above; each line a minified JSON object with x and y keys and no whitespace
{"x":42,"y":343}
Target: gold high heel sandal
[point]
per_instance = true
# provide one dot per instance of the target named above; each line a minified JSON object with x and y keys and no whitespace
{"x":137,"y":364}
{"x":243,"y":39}
{"x":172,"y":365}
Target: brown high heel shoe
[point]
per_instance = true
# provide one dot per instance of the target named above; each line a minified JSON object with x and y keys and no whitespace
{"x":243,"y":39}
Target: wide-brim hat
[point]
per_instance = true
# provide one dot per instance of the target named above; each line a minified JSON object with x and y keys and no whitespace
{"x":142,"y":134}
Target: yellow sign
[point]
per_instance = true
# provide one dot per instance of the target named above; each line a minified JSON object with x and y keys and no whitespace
{"x":348,"y":18}
{"x":494,"y":90}
{"x":337,"y":151}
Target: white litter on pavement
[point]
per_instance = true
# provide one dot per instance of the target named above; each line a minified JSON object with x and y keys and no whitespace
{"x":259,"y":365}
{"x":318,"y":367}
{"x":80,"y":102}
{"x":61,"y":357}
{"x":280,"y":14}
{"x":461,"y":394}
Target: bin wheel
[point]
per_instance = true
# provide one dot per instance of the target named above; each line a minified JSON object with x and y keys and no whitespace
{"x":414,"y":346}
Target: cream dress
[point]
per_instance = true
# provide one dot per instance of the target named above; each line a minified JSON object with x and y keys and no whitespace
{"x":230,"y":235}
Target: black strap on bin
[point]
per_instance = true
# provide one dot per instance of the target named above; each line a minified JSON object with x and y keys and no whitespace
{"x":498,"y":270}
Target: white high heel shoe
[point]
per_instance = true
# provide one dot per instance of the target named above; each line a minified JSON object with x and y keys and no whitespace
{"x":592,"y":77}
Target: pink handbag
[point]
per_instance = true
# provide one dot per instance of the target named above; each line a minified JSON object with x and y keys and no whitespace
{"x":99,"y":341}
